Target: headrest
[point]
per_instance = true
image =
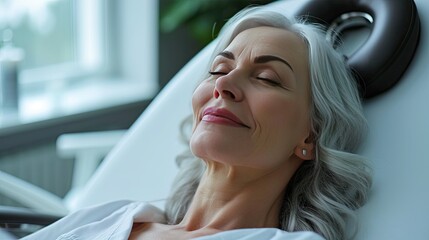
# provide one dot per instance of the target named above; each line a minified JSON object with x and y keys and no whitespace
{"x":395,"y":29}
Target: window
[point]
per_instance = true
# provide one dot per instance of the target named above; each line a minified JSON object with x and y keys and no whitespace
{"x":61,"y":39}
{"x":81,"y":51}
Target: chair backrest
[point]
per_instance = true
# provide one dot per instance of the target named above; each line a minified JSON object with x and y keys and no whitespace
{"x":142,"y":166}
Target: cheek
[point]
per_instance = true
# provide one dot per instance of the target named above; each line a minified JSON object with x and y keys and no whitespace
{"x":289,"y":118}
{"x":277,"y":113}
{"x":202,"y":94}
{"x":281,"y":123}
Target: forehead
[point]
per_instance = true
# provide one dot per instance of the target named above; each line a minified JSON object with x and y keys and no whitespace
{"x":269,"y":37}
{"x":258,"y":41}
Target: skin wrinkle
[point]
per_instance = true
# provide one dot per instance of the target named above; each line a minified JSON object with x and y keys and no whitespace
{"x":240,"y":198}
{"x":229,"y":55}
{"x":261,"y":63}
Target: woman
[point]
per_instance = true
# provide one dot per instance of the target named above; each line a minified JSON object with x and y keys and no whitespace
{"x":274,"y":126}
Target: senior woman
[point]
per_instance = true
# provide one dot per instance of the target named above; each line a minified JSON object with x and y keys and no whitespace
{"x":275,"y":123}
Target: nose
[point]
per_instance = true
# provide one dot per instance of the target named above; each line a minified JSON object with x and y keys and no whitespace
{"x":227,"y":87}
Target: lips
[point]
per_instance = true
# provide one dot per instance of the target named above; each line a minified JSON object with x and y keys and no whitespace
{"x":222,"y":116}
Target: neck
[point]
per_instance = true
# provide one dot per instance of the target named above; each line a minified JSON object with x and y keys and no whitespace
{"x":231,"y":198}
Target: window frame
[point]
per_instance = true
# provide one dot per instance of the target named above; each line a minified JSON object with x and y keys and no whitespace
{"x":85,"y":64}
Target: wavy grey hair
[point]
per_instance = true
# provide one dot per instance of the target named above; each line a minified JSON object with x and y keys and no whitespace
{"x":323,"y":194}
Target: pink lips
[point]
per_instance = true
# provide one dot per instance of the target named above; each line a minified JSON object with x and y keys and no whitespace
{"x":222,"y":116}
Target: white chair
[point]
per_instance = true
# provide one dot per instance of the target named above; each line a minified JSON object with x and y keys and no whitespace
{"x":142,"y":165}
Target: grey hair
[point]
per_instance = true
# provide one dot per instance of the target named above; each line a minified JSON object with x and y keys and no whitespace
{"x":323,"y":194}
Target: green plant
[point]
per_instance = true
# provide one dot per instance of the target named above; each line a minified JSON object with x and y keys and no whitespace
{"x":204,"y":18}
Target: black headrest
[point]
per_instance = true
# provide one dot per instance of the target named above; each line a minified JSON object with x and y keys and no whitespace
{"x":395,"y":29}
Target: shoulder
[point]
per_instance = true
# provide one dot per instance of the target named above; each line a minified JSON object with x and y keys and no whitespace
{"x":263,"y":233}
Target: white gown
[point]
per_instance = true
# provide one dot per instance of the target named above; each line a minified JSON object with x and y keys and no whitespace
{"x":114,"y":221}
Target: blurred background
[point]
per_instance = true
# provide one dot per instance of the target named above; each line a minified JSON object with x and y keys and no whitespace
{"x":71,"y":68}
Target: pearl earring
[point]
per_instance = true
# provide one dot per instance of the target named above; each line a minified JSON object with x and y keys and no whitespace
{"x":304,"y":152}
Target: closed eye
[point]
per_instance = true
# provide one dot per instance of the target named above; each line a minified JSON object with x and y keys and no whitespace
{"x":270,"y":82}
{"x":217,"y":73}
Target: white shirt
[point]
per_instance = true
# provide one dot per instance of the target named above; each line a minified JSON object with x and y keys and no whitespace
{"x":114,"y":221}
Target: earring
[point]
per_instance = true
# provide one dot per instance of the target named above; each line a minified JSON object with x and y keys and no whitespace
{"x":304,"y":152}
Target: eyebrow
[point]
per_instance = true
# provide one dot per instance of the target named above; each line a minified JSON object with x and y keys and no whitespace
{"x":269,"y":58}
{"x":259,"y":59}
{"x":227,"y":54}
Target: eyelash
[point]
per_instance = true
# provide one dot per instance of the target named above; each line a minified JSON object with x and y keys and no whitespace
{"x":267,"y":80}
{"x":270,"y":82}
{"x":216,"y":73}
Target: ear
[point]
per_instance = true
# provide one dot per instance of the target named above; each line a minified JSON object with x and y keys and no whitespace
{"x":305,"y":150}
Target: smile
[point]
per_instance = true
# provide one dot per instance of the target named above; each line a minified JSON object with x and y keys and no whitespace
{"x":222,"y":116}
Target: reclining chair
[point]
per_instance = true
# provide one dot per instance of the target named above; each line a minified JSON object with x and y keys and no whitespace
{"x":142,"y":165}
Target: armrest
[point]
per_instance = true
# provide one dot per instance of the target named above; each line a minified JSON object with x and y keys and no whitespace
{"x":96,"y":143}
{"x":87,"y":148}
